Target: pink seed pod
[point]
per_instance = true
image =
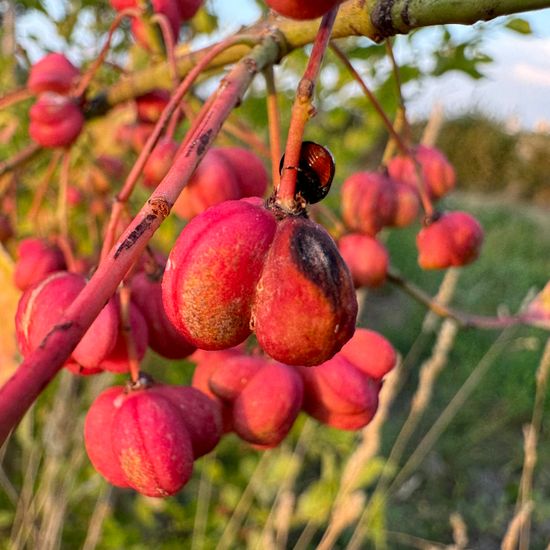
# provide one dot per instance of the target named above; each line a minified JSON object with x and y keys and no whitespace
{"x":213,"y":182}
{"x":229,"y":380}
{"x":36,"y":259}
{"x":266,"y":408}
{"x":338,"y":394}
{"x":98,"y":428}
{"x":249,"y":170}
{"x":149,"y":106}
{"x":53,"y":73}
{"x":117,"y":359}
{"x":407,"y":205}
{"x":210,"y":279}
{"x":370,"y":352}
{"x":41,"y":307}
{"x":300,"y":9}
{"x":368,"y":202}
{"x":305,"y":305}
{"x":159,"y":162}
{"x":366,"y":257}
{"x":437,"y":172}
{"x":56,"y":120}
{"x":164,"y":337}
{"x":201,"y":414}
{"x":151,"y":443}
{"x":208,"y":362}
{"x":453,"y":240}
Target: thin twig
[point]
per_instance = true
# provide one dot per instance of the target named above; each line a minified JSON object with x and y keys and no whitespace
{"x":274,"y":124}
{"x":464,"y":320}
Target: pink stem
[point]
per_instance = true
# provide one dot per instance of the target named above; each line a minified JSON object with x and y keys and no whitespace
{"x":41,"y":366}
{"x":302,"y":110}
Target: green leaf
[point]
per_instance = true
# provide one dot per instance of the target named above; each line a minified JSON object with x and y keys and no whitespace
{"x":519,"y":25}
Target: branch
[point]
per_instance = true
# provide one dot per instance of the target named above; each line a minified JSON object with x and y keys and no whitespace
{"x":354,"y":19}
{"x":391,"y":17}
{"x":464,"y":320}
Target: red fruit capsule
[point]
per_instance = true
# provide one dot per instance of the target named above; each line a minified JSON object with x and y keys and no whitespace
{"x":36,"y":260}
{"x":53,"y":73}
{"x":211,"y":276}
{"x":437,"y":172}
{"x":366,"y":258}
{"x":368,"y":202}
{"x":267,"y":407}
{"x":305,"y":305}
{"x":152,"y":445}
{"x":302,"y":9}
{"x":98,"y":428}
{"x":454,"y":239}
{"x":370,"y":352}
{"x":164,"y":337}
{"x":56,"y":120}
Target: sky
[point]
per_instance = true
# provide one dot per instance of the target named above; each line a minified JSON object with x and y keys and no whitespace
{"x":516,"y":87}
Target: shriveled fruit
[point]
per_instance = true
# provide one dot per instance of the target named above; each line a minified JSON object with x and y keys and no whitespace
{"x":305,"y":305}
{"x":366,"y":257}
{"x":56,"y":120}
{"x":454,"y":239}
{"x":211,"y":275}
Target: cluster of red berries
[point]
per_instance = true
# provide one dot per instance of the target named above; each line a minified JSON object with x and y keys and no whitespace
{"x":56,"y":118}
{"x":241,"y":266}
{"x":49,"y":289}
{"x":147,"y":435}
{"x":373,"y":200}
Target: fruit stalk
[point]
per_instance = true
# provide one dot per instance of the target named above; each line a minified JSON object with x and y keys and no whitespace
{"x":40,"y":367}
{"x":302,"y":111}
{"x":274,"y":124}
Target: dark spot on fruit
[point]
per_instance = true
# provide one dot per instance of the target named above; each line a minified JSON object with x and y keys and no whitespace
{"x":315,"y":255}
